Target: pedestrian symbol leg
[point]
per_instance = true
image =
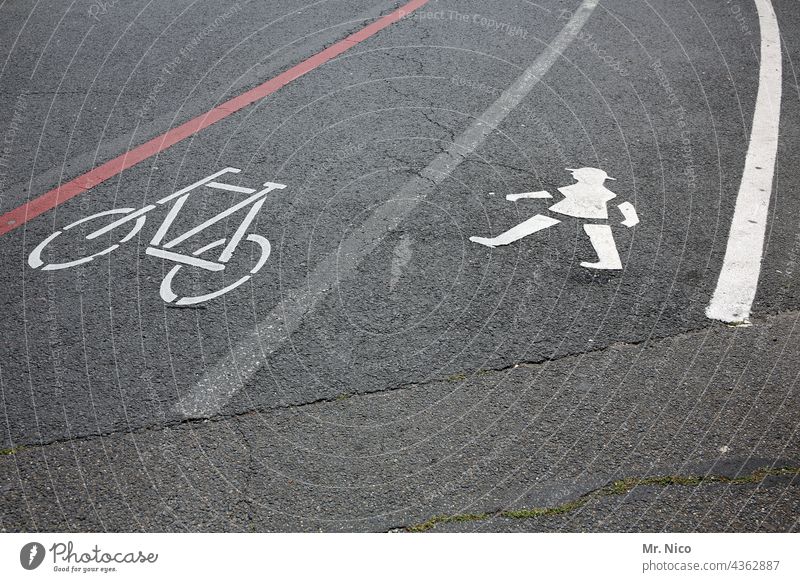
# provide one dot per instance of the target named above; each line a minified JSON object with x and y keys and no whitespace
{"x":603,"y":242}
{"x":533,"y":224}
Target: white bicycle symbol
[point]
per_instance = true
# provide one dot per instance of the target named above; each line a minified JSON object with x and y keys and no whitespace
{"x":158,"y":248}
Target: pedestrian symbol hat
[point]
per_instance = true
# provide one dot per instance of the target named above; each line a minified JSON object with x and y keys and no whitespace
{"x":593,"y":172}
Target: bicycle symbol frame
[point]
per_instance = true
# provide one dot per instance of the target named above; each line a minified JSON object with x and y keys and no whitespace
{"x":164,"y":250}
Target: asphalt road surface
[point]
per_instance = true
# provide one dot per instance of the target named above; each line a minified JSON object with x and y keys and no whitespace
{"x":355,"y":362}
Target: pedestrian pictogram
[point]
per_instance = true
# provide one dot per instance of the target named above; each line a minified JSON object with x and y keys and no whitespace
{"x":588,"y":199}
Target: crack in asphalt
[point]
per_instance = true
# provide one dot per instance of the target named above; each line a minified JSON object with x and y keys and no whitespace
{"x":613,"y":488}
{"x":451,"y":132}
{"x":457,"y":377}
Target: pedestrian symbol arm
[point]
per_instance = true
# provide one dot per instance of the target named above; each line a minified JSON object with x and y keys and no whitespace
{"x":540,"y":194}
{"x":629,"y":212}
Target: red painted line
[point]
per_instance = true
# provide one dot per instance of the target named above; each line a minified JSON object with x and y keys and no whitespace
{"x":33,"y":208}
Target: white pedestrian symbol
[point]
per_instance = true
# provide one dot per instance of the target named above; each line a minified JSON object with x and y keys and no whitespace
{"x":587,"y":198}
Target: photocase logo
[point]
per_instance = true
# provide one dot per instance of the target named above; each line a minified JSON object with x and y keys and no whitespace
{"x":31,"y":555}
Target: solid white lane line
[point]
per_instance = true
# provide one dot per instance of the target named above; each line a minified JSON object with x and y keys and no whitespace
{"x":738,"y":280}
{"x":228,"y":376}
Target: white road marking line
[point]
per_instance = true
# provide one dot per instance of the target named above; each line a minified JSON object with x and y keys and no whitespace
{"x":228,"y":376}
{"x":738,"y":280}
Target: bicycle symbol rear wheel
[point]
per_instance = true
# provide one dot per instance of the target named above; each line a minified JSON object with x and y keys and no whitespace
{"x":169,"y":295}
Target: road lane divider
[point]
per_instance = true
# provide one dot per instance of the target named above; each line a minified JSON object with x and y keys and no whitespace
{"x":68,"y":190}
{"x":735,"y":292}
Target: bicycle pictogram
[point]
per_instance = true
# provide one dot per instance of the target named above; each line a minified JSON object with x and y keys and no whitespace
{"x":163,"y":247}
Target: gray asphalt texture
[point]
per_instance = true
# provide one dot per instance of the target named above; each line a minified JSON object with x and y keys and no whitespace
{"x":442,"y":378}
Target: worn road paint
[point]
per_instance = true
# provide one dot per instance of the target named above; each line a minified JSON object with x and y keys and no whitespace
{"x":400,"y":258}
{"x":733,"y":297}
{"x":219,"y":384}
{"x":33,"y":208}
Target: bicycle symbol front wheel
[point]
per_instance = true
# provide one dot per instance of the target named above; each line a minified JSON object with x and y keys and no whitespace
{"x":169,"y":295}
